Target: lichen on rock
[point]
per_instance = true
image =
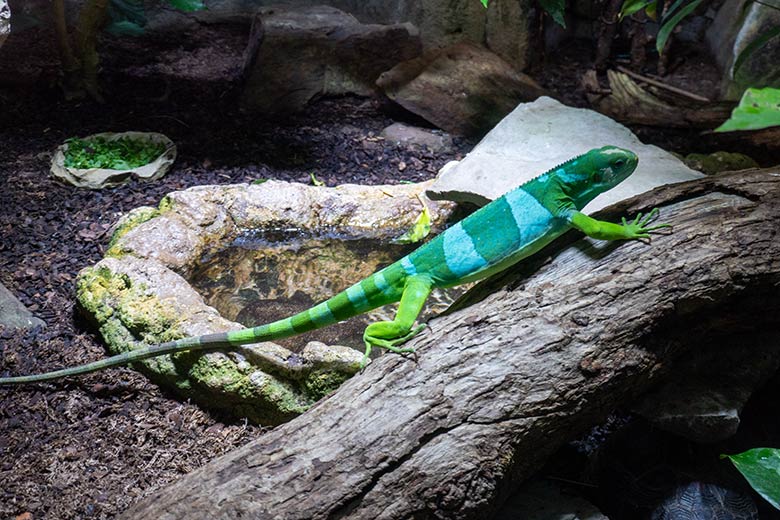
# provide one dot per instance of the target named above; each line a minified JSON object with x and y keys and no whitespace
{"x":139,"y":293}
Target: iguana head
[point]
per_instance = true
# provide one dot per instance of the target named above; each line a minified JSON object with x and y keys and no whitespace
{"x":597,"y":171}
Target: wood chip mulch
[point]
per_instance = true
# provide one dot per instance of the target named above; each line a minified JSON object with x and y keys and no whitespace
{"x":89,"y":447}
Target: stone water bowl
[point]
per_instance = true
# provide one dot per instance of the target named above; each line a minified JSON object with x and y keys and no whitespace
{"x":213,"y":257}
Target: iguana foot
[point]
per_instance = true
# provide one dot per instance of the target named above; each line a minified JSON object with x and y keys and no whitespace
{"x":390,"y":344}
{"x":639,"y":229}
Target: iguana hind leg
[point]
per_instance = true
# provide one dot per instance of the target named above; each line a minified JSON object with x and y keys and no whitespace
{"x":390,"y":334}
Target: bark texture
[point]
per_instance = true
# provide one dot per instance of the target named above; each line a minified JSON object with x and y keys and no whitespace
{"x":500,"y":384}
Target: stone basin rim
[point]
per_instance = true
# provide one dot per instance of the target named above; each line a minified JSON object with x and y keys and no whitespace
{"x":139,"y":291}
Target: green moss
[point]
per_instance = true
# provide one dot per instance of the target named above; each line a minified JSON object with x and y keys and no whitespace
{"x":97,"y":289}
{"x":719,"y":162}
{"x":146,"y":317}
{"x":124,"y":311}
{"x":259,"y":396}
{"x":128,"y":222}
{"x":166,"y":204}
{"x":320,"y":383}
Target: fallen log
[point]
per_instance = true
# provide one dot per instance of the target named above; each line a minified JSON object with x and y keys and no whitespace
{"x":550,"y":348}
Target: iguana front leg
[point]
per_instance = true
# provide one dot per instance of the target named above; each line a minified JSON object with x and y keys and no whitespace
{"x":638,"y":229}
{"x":390,"y":334}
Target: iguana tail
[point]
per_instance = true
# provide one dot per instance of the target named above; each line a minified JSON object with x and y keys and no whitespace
{"x":370,"y":293}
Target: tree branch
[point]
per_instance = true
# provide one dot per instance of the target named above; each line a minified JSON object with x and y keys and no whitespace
{"x":554,"y":345}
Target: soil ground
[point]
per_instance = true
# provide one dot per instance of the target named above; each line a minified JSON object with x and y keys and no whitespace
{"x":89,"y":447}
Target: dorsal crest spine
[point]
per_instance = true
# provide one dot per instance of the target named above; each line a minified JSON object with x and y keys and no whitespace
{"x":551,"y":170}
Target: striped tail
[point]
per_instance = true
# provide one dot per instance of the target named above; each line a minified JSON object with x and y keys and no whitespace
{"x":369,"y":293}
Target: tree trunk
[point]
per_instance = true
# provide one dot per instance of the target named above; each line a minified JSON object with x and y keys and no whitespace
{"x":607,"y":30}
{"x":80,"y":68}
{"x":556,"y":344}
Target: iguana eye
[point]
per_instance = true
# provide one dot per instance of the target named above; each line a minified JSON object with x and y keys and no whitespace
{"x":619,"y":163}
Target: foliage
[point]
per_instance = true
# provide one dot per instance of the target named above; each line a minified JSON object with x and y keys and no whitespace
{"x":679,"y":10}
{"x":128,"y":17}
{"x":120,"y":154}
{"x":315,"y":181}
{"x":758,"y":108}
{"x":752,"y":47}
{"x":420,"y":229}
{"x":555,"y":8}
{"x":761,"y":468}
{"x":187,"y":5}
{"x":670,"y":20}
{"x":633,"y":6}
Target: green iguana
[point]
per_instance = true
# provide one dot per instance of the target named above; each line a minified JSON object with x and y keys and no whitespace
{"x":510,"y":228}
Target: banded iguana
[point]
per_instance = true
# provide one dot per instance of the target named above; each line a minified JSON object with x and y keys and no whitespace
{"x":498,"y":235}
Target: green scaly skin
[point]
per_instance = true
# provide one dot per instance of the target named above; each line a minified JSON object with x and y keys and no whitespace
{"x":510,"y":228}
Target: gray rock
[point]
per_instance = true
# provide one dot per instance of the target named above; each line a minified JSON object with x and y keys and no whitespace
{"x":139,"y":293}
{"x":464,"y":89}
{"x":737,"y":25}
{"x":540,"y":135}
{"x":13,"y":314}
{"x":505,"y":26}
{"x":405,"y":135}
{"x":706,"y":501}
{"x":704,"y":398}
{"x":543,"y":500}
{"x":508,"y":31}
{"x":310,"y":51}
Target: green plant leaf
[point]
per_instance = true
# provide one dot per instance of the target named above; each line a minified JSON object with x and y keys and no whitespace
{"x":556,"y":9}
{"x":315,"y":180}
{"x":119,"y":154}
{"x":128,"y":17}
{"x":668,"y":26}
{"x":758,"y":108}
{"x":187,"y":5}
{"x":652,"y":10}
{"x":632,"y":6}
{"x":259,"y":181}
{"x":672,"y":8}
{"x":484,"y":3}
{"x":125,"y":28}
{"x":420,"y":229}
{"x":753,"y":47}
{"x":761,"y":468}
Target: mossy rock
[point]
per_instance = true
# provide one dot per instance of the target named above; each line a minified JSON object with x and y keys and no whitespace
{"x":719,"y":162}
{"x":139,"y":293}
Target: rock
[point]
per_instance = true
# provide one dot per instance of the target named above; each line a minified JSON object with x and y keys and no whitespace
{"x":544,"y":500}
{"x":405,"y":135}
{"x":538,"y":136}
{"x":97,"y":178}
{"x":738,"y":25}
{"x":464,"y":89}
{"x":140,"y":293}
{"x":310,"y":51}
{"x":703,"y":400}
{"x":505,"y":26}
{"x":719,"y":162}
{"x":14,"y":315}
{"x":508,"y":31}
{"x":706,"y":500}
{"x":5,"y":21}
